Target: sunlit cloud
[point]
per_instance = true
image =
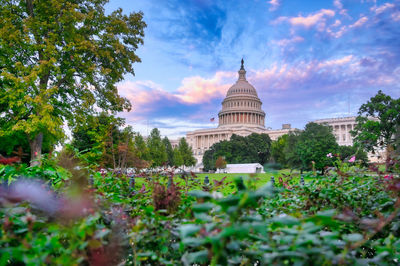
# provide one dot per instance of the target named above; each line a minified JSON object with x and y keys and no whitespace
{"x":359,"y":22}
{"x":196,"y":89}
{"x":382,"y":8}
{"x":286,"y":42}
{"x":305,"y":60}
{"x":318,"y":19}
{"x":274,"y":5}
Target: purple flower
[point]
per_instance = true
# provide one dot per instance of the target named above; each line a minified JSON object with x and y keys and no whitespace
{"x":329,"y":155}
{"x":352,"y":159}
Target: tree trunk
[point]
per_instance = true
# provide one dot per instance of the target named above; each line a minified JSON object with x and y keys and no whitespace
{"x":36,"y":149}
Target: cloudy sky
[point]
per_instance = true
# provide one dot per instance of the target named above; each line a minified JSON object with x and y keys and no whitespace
{"x":307,"y":59}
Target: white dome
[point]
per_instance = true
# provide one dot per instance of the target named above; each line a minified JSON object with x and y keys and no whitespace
{"x":241,"y":106}
{"x":242,"y":87}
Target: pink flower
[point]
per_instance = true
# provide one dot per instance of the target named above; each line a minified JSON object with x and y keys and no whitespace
{"x":388,"y":177}
{"x":352,"y":159}
{"x":329,"y":155}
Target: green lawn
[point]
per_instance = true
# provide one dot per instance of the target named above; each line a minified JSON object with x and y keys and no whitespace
{"x":256,"y":180}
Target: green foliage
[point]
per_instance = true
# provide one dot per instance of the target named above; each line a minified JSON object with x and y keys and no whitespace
{"x":101,"y":141}
{"x":169,"y":151}
{"x":343,"y":218}
{"x":17,"y":144}
{"x":314,"y":143}
{"x":377,"y":122}
{"x":277,"y":149}
{"x":60,"y":60}
{"x":186,"y":153}
{"x":177,"y":157}
{"x":346,"y":152}
{"x":141,"y":149}
{"x":250,"y":149}
{"x":156,"y":148}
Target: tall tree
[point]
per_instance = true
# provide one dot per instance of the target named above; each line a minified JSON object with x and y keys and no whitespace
{"x":157,"y":152}
{"x":59,"y":61}
{"x":314,"y":143}
{"x":277,"y":150}
{"x":169,"y":150}
{"x":178,"y":161}
{"x":186,"y":153}
{"x":377,"y":122}
{"x":291,"y":157}
{"x":102,"y":142}
{"x":141,"y":150}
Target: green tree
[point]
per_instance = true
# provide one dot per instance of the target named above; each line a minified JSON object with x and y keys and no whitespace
{"x":102,"y":142}
{"x":59,"y":61}
{"x":259,"y":145}
{"x":97,"y":137}
{"x":346,"y":152}
{"x":141,"y":150}
{"x":314,"y":143}
{"x":178,"y":160}
{"x":186,"y":153}
{"x":157,"y":152}
{"x":277,"y":150}
{"x":239,"y":149}
{"x":169,"y":150}
{"x":378,"y":121}
{"x":291,"y":157}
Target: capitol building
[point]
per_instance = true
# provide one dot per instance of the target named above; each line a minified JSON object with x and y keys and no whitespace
{"x":242,"y":114}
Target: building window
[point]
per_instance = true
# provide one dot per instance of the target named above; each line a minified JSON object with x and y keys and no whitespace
{"x":344,"y":137}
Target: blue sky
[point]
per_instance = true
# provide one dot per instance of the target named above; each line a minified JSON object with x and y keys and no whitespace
{"x":307,"y":59}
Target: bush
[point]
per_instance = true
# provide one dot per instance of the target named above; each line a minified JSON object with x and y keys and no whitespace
{"x":272,"y":166}
{"x":349,"y":217}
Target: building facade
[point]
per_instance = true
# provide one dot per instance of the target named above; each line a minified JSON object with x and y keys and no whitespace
{"x":241,"y":114}
{"x":341,"y":128}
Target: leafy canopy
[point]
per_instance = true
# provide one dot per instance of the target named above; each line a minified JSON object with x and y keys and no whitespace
{"x":314,"y":143}
{"x":377,"y":122}
{"x":249,"y":149}
{"x":61,"y":59}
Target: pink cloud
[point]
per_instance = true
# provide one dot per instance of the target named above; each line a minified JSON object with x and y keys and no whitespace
{"x":317,"y":18}
{"x":359,"y":22}
{"x":200,"y":90}
{"x":338,"y":4}
{"x":286,"y":42}
{"x":274,"y":5}
{"x":382,"y":8}
{"x":396,"y":16}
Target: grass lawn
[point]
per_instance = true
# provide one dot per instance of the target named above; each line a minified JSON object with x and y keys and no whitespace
{"x":257,"y":180}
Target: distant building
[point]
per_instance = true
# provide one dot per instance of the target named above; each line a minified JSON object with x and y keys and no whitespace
{"x":341,"y":128}
{"x":241,"y":114}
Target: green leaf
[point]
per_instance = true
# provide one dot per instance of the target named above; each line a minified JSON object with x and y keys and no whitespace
{"x":195,"y":257}
{"x":353,"y":237}
{"x":200,"y":194}
{"x":203,"y":207}
{"x":188,"y":230}
{"x":285,"y":220}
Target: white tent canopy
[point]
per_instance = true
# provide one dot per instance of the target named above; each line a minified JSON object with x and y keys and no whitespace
{"x":243,"y":168}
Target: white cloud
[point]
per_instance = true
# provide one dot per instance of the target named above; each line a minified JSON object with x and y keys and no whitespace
{"x":274,"y":5}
